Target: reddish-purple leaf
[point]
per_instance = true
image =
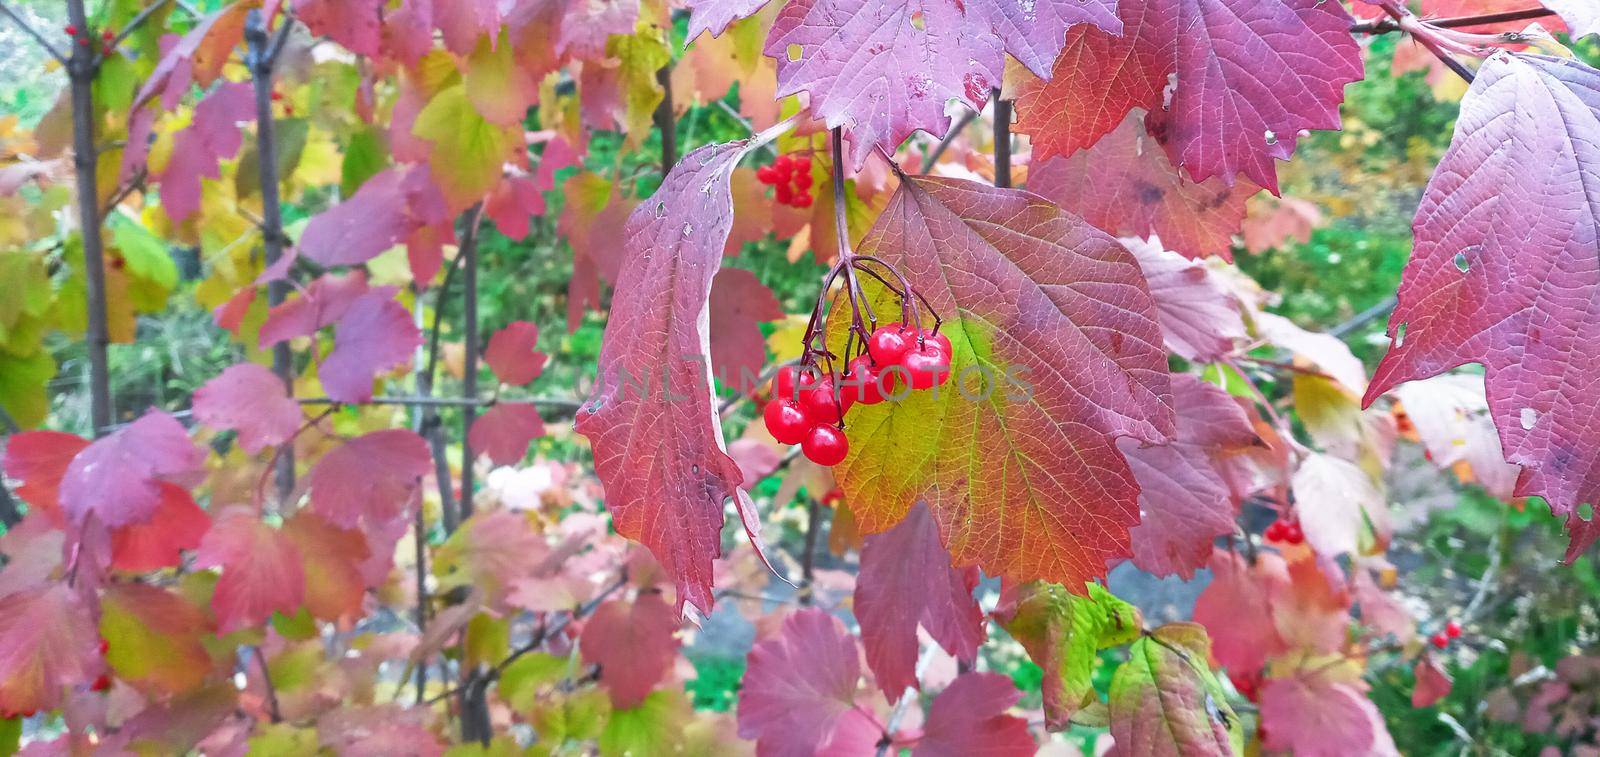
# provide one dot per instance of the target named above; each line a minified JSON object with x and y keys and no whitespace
{"x":1503,"y":273}
{"x":1322,"y":710}
{"x":196,"y":150}
{"x":715,"y":15}
{"x":1184,"y":501}
{"x":373,"y":476}
{"x":800,"y":686}
{"x":906,"y":579}
{"x":261,"y":570}
{"x":351,"y":23}
{"x":969,"y":717}
{"x":196,"y":58}
{"x":47,"y":642}
{"x":505,"y":431}
{"x":1125,"y":185}
{"x":251,"y":400}
{"x":1432,"y":682}
{"x":739,"y":303}
{"x":1199,"y":316}
{"x":118,"y":477}
{"x":363,"y":225}
{"x":323,"y":303}
{"x":375,"y":335}
{"x":512,"y":205}
{"x":511,"y":354}
{"x":178,"y":524}
{"x":657,"y":439}
{"x":1250,"y":75}
{"x":635,"y":645}
{"x":1236,"y":609}
{"x":39,"y":461}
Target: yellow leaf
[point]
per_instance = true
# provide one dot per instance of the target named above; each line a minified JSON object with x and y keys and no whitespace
{"x":468,"y":151}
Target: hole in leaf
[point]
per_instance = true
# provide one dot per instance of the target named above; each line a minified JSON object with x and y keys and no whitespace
{"x":1462,"y":264}
{"x":918,"y":21}
{"x":794,"y":51}
{"x":1529,"y":416}
{"x":1586,"y":512}
{"x":1270,"y":137}
{"x":1400,"y":335}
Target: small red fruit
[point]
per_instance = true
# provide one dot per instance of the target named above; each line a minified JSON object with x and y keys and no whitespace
{"x":1440,"y":640}
{"x":889,"y":343}
{"x":791,"y":380}
{"x":84,"y":40}
{"x":1452,"y":630}
{"x":863,"y":382}
{"x":105,"y":646}
{"x":939,"y":340}
{"x":826,"y":446}
{"x":783,"y":167}
{"x":802,"y":164}
{"x":101,"y":684}
{"x":929,"y":365}
{"x":766,"y":175}
{"x":824,"y":404}
{"x":72,"y":31}
{"x":107,"y":35}
{"x":1275,"y":531}
{"x":783,"y":194}
{"x":276,"y":96}
{"x":802,"y":179}
{"x":803,"y":200}
{"x":1293,"y":533}
{"x":786,"y":421}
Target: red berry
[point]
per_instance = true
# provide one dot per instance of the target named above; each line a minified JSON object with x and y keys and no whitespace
{"x":1440,"y":640}
{"x":833,"y":497}
{"x":823,"y":403}
{"x":783,"y":167}
{"x":766,"y":175}
{"x":802,"y":180}
{"x":803,"y":200}
{"x":1274,"y":531}
{"x":1293,"y":533}
{"x":889,"y":343}
{"x":864,"y":382}
{"x":276,"y":96}
{"x":783,"y":194}
{"x":72,"y":31}
{"x":107,"y":35}
{"x":105,"y":646}
{"x":791,"y":380}
{"x":825,"y":445}
{"x":929,"y":364}
{"x":288,"y":110}
{"x":84,"y":40}
{"x":107,"y":50}
{"x":101,"y":684}
{"x":802,"y":164}
{"x":1452,"y":629}
{"x":786,"y":421}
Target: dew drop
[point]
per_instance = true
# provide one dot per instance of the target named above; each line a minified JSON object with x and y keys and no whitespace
{"x":1462,"y":264}
{"x":1529,"y":417}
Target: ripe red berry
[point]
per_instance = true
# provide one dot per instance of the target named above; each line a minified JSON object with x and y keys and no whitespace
{"x":276,"y":96}
{"x":107,"y":35}
{"x":825,"y":445}
{"x":786,"y":421}
{"x":84,"y":40}
{"x":823,"y":403}
{"x":802,"y":164}
{"x":1274,"y":531}
{"x":783,"y":194}
{"x":1452,"y":630}
{"x":72,"y":31}
{"x":766,"y":175}
{"x":783,"y":167}
{"x":929,"y":365}
{"x":101,"y":684}
{"x":864,"y":382}
{"x":105,"y":646}
{"x":107,"y":50}
{"x":889,"y":343}
{"x":802,"y":179}
{"x":803,"y":200}
{"x":1293,"y":533}
{"x":833,"y":497}
{"x":1440,"y":640}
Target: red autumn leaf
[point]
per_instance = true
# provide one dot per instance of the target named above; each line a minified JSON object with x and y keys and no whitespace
{"x":39,"y":460}
{"x":883,"y":69}
{"x":1322,"y":710}
{"x":251,"y":400}
{"x":322,"y":304}
{"x":505,"y":431}
{"x":489,"y":552}
{"x":1273,"y":221}
{"x":331,"y":559}
{"x":1519,"y":302}
{"x":906,"y":579}
{"x":1251,"y":74}
{"x":512,"y":204}
{"x":511,"y":354}
{"x":374,"y":476}
{"x":1236,"y":609}
{"x":658,"y":447}
{"x":351,"y":23}
{"x":969,"y":717}
{"x":1125,"y":185}
{"x":1432,"y":682}
{"x":379,"y":731}
{"x":1033,"y":293}
{"x":739,"y":304}
{"x":375,"y":335}
{"x":178,"y":524}
{"x":155,"y":638}
{"x":1184,"y":500}
{"x":387,"y":210}
{"x":634,"y":645}
{"x":118,"y":477}
{"x":261,"y":570}
{"x":211,"y":137}
{"x":1200,"y":318}
{"x":47,"y":642}
{"x":800,"y":686}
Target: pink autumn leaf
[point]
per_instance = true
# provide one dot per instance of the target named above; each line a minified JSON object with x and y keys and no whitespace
{"x":361,"y":227}
{"x":906,"y":579}
{"x":351,"y":23}
{"x":512,"y":353}
{"x":261,"y":570}
{"x":969,"y":717}
{"x":1200,"y":318}
{"x":1519,"y":302}
{"x":1323,"y":711}
{"x":118,"y":477}
{"x":739,"y":304}
{"x":1451,"y":416}
{"x":1236,"y":609}
{"x":1432,"y":681}
{"x":373,"y":476}
{"x":322,"y":304}
{"x":505,"y":431}
{"x":375,"y":335}
{"x":252,"y":400}
{"x":635,"y":645}
{"x":48,"y":642}
{"x":195,"y":58}
{"x":800,"y":685}
{"x":1339,"y":506}
{"x":658,"y":448}
{"x":716,"y":15}
{"x":512,"y":204}
{"x":196,"y":150}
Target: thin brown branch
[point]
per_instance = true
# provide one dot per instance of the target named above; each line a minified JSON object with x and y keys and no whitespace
{"x":266,"y":680}
{"x":82,"y":68}
{"x":561,"y":403}
{"x":469,"y":380}
{"x":1409,"y":23}
{"x":1387,"y":25}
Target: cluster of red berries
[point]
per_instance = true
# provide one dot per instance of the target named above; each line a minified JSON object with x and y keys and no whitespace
{"x":1285,"y":532}
{"x":790,"y":179}
{"x":807,"y":407}
{"x":106,"y":38}
{"x":1452,"y":630}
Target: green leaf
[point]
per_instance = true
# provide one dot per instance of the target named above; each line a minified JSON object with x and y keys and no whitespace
{"x":144,"y":253}
{"x":24,"y":381}
{"x":1062,"y":632}
{"x":521,"y":680}
{"x":365,"y":155}
{"x":654,"y":727}
{"x":289,"y":139}
{"x":580,"y":716}
{"x":468,"y":150}
{"x":1166,"y":701}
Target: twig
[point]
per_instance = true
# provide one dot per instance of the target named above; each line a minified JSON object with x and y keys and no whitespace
{"x":1362,"y":318}
{"x":266,"y":679}
{"x":1386,"y":25}
{"x":664,"y":121}
{"x":808,"y":558}
{"x":1283,"y":365}
{"x":932,"y":158}
{"x":1002,"y":141}
{"x":429,"y":401}
{"x":81,"y":70}
{"x":136,"y":22}
{"x":1409,"y":24}
{"x":32,"y":32}
{"x":469,"y":379}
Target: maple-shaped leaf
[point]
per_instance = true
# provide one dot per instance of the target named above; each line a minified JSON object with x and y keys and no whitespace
{"x":322,"y":303}
{"x":1518,"y":302}
{"x":1320,"y":708}
{"x":1062,"y":631}
{"x":1165,"y":700}
{"x":1200,"y":318}
{"x":1056,"y":352}
{"x":1236,"y":608}
{"x":1250,"y":75}
{"x":47,"y":642}
{"x":1340,"y":508}
{"x":375,"y":335}
{"x":969,"y":717}
{"x":635,"y":645}
{"x":252,"y":400}
{"x":906,"y":579}
{"x":388,"y":209}
{"x":505,"y":431}
{"x":1451,"y":415}
{"x":211,"y":137}
{"x":658,"y":448}
{"x":512,"y":356}
{"x":799,"y":691}
{"x":118,"y":478}
{"x":374,"y":476}
{"x":739,"y":304}
{"x":154,"y":638}
{"x":1126,"y":185}
{"x":38,"y":461}
{"x":261,"y":570}
{"x":178,"y":524}
{"x":1432,"y":682}
{"x":332,"y":559}
{"x":1185,"y":502}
